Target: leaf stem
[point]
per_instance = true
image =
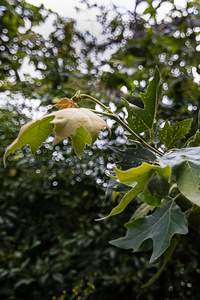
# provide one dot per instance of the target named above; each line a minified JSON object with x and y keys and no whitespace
{"x":97,"y":101}
{"x":112,"y":115}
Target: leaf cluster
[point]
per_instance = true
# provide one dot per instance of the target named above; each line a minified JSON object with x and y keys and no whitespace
{"x":159,"y":182}
{"x":156,"y":179}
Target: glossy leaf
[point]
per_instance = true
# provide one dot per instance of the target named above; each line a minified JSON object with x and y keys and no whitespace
{"x":171,"y":134}
{"x":137,"y":178}
{"x":81,"y":125}
{"x":185,"y":165}
{"x":139,"y":119}
{"x":159,"y":227}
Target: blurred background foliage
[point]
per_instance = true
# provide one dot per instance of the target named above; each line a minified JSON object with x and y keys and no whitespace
{"x":50,"y":245}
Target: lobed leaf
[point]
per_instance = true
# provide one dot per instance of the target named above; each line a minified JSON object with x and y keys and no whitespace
{"x":80,"y":124}
{"x":171,"y":134}
{"x":159,"y":227}
{"x":139,"y":119}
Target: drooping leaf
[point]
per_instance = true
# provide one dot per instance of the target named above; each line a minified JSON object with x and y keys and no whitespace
{"x":33,"y":133}
{"x":166,"y":257}
{"x":171,"y":134}
{"x":133,"y":157}
{"x":137,"y":178}
{"x":185,"y":165}
{"x":147,"y":197}
{"x":65,"y":103}
{"x":79,"y":140}
{"x":139,"y":119}
{"x":160,"y":227}
{"x":129,"y":158}
{"x":136,"y":174}
{"x":65,"y":123}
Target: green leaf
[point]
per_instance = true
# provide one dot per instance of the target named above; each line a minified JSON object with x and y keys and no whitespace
{"x":79,"y":140}
{"x":129,"y":158}
{"x":160,"y":227}
{"x":158,"y":185}
{"x":139,"y":119}
{"x":134,"y":156}
{"x":142,"y":210}
{"x":167,"y":255}
{"x":80,"y":124}
{"x":183,"y":202}
{"x":185,"y":165}
{"x":148,"y":198}
{"x":137,"y":178}
{"x":33,"y":133}
{"x":171,"y":134}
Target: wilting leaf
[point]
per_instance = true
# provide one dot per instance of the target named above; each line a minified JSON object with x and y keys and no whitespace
{"x":65,"y":103}
{"x":140,"y":119}
{"x":134,"y":156}
{"x":159,"y":227}
{"x":81,"y":125}
{"x":171,"y":134}
{"x":185,"y":165}
{"x":137,"y":178}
